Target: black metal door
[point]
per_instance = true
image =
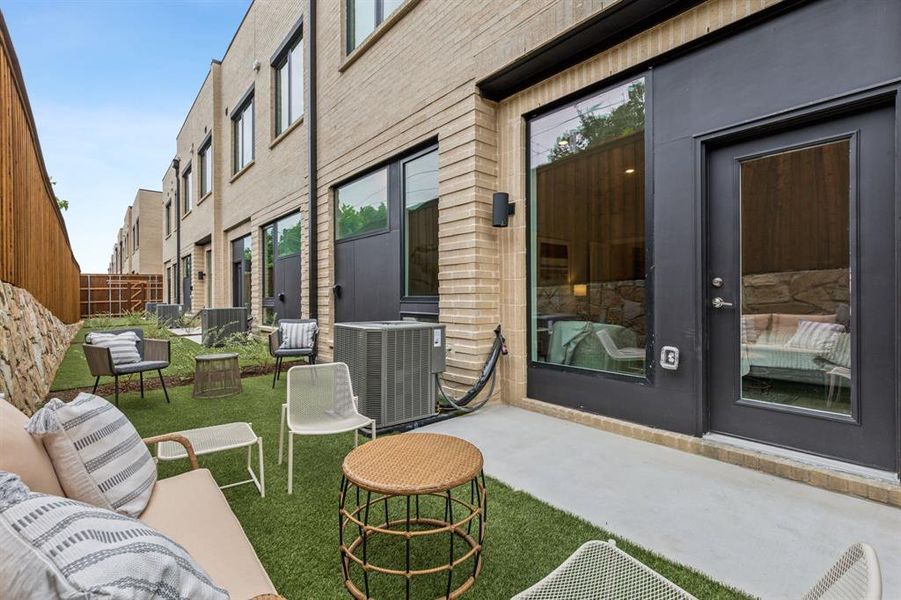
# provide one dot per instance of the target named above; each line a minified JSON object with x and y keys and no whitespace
{"x":186,"y":285}
{"x":800,"y":289}
{"x":287,"y":287}
{"x":367,"y":278}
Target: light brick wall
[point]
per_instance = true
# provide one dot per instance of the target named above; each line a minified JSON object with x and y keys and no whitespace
{"x":147,"y":213}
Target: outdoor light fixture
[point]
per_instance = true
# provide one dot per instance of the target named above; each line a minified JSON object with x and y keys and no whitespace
{"x":629,"y":171}
{"x":501,"y":209}
{"x":201,"y":275}
{"x":580,"y":290}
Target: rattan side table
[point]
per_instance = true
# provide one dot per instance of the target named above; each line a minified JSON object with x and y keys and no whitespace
{"x":216,"y":375}
{"x":425,"y":474}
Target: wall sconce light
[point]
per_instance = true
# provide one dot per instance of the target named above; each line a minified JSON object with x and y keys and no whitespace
{"x":501,"y":209}
{"x":201,"y":275}
{"x":580,"y":290}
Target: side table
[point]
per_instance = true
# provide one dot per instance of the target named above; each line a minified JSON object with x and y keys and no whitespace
{"x":216,"y":375}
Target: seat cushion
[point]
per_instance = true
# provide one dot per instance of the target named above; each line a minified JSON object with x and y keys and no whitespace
{"x":144,"y":365}
{"x":97,"y":452}
{"x":54,"y":547}
{"x":297,"y":334}
{"x":191,"y":509}
{"x":294,"y":352}
{"x":24,"y":455}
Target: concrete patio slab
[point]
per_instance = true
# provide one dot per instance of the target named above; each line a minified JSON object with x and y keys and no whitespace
{"x":768,"y":536}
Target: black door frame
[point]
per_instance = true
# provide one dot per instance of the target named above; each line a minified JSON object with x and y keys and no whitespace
{"x":279,"y":262}
{"x":706,"y":142}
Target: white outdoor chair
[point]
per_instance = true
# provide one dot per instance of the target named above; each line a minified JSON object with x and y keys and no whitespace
{"x":615,"y":351}
{"x":320,"y":402}
{"x":601,"y":571}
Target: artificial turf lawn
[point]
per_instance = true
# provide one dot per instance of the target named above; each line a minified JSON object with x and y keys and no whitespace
{"x":296,"y":536}
{"x":73,"y":372}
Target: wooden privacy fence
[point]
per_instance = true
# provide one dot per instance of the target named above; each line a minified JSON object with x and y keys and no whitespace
{"x":116,"y":295}
{"x":34,"y":246}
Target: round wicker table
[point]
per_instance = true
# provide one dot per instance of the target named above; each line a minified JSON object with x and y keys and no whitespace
{"x":217,"y":375}
{"x":412,"y":490}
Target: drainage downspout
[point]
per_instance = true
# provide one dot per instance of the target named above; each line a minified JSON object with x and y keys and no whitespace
{"x":312,"y":179}
{"x":175,"y":165}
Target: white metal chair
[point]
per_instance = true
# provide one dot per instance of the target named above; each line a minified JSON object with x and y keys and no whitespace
{"x":615,"y":351}
{"x":320,"y":402}
{"x":600,"y":571}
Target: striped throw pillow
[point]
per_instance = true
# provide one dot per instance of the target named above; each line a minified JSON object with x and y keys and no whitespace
{"x":298,"y":336}
{"x":813,"y":335}
{"x":122,"y":346}
{"x":840,"y":354}
{"x":96,"y":452}
{"x":59,"y":548}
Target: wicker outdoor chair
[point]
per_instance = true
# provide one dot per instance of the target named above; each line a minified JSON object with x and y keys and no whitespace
{"x":279,"y":353}
{"x":601,"y":571}
{"x":154,"y":357}
{"x":321,"y":401}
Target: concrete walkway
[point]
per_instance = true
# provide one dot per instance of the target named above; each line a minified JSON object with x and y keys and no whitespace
{"x":765,"y":535}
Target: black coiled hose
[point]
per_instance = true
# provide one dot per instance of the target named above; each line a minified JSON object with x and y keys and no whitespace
{"x":488,"y":375}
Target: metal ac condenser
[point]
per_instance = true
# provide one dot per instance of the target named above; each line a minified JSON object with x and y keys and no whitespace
{"x":392,"y":367}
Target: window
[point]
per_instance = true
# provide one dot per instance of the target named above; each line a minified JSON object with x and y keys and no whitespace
{"x":169,"y":284}
{"x":289,"y":86}
{"x":289,"y":235}
{"x":363,"y":16}
{"x":588,"y":231}
{"x":206,"y":168}
{"x":242,"y":135}
{"x":361,"y":206}
{"x":421,"y":225}
{"x":168,"y":217}
{"x":134,"y":234}
{"x":268,"y":274}
{"x":188,"y":190}
{"x":208,"y":278}
{"x":242,"y":263}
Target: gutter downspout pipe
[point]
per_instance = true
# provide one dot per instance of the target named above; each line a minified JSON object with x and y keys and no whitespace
{"x":312,"y":179}
{"x":175,"y":166}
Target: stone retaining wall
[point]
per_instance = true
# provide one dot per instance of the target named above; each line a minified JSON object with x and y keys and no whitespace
{"x":32,"y":345}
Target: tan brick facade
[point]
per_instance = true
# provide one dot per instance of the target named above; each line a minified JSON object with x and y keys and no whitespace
{"x":139,"y":243}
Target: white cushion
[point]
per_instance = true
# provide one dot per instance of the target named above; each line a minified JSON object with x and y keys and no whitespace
{"x":297,"y":336}
{"x":122,"y":346}
{"x":814,"y":335}
{"x":55,"y":547}
{"x":97,"y":453}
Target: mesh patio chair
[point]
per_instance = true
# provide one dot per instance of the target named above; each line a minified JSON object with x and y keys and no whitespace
{"x":320,"y":402}
{"x":279,"y":353}
{"x":154,"y":357}
{"x":601,"y":571}
{"x":855,"y":576}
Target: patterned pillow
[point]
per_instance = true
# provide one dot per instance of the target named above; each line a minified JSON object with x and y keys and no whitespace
{"x":96,"y":452}
{"x":59,"y":548}
{"x":122,"y":346}
{"x":813,"y":335}
{"x":840,"y":353}
{"x":297,"y":336}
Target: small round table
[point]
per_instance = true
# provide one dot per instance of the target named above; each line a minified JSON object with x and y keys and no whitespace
{"x":216,"y":375}
{"x":440,"y":472}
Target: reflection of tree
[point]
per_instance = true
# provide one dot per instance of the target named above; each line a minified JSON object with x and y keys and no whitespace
{"x":593,"y":129}
{"x":354,"y":221}
{"x":289,"y":240}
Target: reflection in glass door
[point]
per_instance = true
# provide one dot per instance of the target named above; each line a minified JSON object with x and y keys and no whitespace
{"x":795,"y":331}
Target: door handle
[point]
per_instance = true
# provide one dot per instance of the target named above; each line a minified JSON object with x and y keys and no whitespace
{"x":281,"y":296}
{"x":336,"y":289}
{"x":720,"y":303}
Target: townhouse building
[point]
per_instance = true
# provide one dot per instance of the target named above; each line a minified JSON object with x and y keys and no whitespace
{"x":139,"y":242}
{"x":660,"y":201}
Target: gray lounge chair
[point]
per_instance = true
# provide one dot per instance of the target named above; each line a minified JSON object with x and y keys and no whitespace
{"x":154,"y":357}
{"x":275,"y":341}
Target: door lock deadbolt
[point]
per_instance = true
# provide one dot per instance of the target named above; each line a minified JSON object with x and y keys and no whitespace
{"x":717,"y":282}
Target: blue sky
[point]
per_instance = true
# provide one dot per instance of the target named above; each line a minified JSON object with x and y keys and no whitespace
{"x":110,"y":84}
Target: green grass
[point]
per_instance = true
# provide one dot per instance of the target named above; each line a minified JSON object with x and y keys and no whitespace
{"x":73,"y":371}
{"x":296,"y":536}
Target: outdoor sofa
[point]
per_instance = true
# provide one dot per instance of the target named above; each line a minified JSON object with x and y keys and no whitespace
{"x":189,"y":508}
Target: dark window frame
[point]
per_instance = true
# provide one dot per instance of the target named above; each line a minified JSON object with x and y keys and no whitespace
{"x":282,"y":58}
{"x":386,"y":166}
{"x":187,"y":196}
{"x":402,"y":162}
{"x":206,"y":148}
{"x":137,"y":233}
{"x":349,"y":12}
{"x":169,"y":218}
{"x":246,"y":103}
{"x":651,"y":343}
{"x":269,"y":301}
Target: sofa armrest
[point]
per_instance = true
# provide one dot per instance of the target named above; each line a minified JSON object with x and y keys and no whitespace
{"x":100,"y":360}
{"x":180,"y":439}
{"x":157,"y":350}
{"x":274,"y":341}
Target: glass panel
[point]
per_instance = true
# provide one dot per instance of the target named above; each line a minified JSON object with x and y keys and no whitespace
{"x":296,"y":81}
{"x":289,"y":235}
{"x":269,"y":262}
{"x":188,"y":190}
{"x":587,"y":171}
{"x":390,"y":6}
{"x":362,"y":205}
{"x":796,"y":279}
{"x":206,"y":170}
{"x":247,"y":269}
{"x":421,"y":225}
{"x":362,"y":21}
{"x":282,"y":110}
{"x":247,"y":134}
{"x":238,"y":144}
